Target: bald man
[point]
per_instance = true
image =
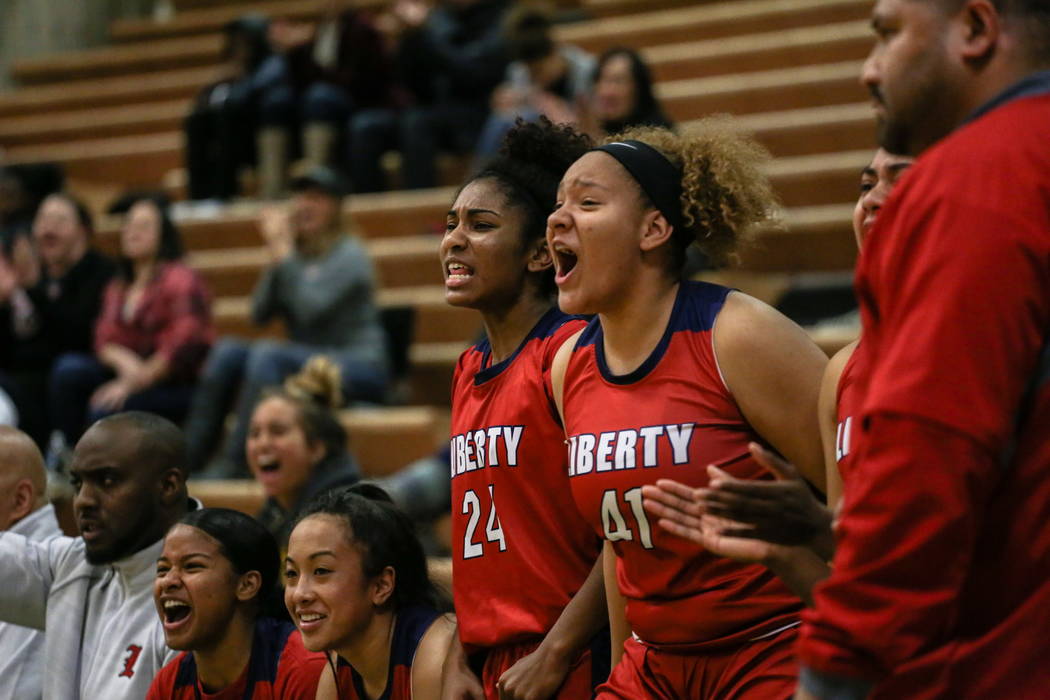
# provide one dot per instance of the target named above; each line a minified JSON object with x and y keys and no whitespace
{"x":93,"y":594}
{"x":24,"y":510}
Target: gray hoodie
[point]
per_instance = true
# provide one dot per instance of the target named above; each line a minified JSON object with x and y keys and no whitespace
{"x":103,"y":636}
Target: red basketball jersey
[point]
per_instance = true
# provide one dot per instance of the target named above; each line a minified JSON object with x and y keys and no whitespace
{"x":520,"y":548}
{"x":848,"y":397}
{"x":670,"y":418}
{"x":409,"y":627}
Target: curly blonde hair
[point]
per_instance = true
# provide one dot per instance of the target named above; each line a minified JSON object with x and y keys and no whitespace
{"x":725,"y":191}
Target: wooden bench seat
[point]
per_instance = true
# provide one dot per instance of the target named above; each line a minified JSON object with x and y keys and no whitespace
{"x":166,"y":54}
{"x":709,"y":21}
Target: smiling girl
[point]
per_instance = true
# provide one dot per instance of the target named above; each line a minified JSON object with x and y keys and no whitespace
{"x":217,"y":570}
{"x":356,"y":584}
{"x":669,"y":378}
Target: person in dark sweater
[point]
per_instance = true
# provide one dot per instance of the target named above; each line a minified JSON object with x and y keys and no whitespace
{"x":49,"y":309}
{"x":220,"y":128}
{"x":450,"y":57}
{"x":320,"y":74}
{"x":296,"y":446}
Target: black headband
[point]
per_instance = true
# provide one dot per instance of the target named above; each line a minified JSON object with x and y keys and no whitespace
{"x":658,"y":177}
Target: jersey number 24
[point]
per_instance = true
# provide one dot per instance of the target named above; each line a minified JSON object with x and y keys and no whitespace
{"x":493,"y":530}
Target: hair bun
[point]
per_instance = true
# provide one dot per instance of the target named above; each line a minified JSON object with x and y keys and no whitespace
{"x":320,"y":381}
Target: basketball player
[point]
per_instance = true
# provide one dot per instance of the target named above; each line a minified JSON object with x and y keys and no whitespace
{"x":526,"y":576}
{"x":670,"y":377}
{"x":780,"y":523}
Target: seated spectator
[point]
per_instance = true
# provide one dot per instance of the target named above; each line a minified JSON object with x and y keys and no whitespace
{"x":319,"y":76}
{"x":321,"y":284}
{"x":24,"y":510}
{"x":151,"y":337}
{"x":545,"y":78}
{"x":93,"y":593}
{"x":380,"y":611}
{"x":48,"y":306}
{"x":296,"y":445}
{"x":220,"y":129}
{"x":215,"y":576}
{"x":451,"y":57}
{"x":623,"y":95}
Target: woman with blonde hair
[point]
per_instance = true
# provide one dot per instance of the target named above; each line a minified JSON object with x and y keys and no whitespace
{"x":669,"y":377}
{"x":296,"y":446}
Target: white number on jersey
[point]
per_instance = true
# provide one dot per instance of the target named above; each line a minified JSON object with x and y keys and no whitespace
{"x":493,"y":529}
{"x":613,"y":523}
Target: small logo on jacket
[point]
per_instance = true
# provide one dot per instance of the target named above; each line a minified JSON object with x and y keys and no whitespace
{"x":129,"y":661}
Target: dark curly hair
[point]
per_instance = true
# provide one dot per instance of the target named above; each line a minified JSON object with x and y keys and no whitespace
{"x":386,"y":537}
{"x":528,"y":169}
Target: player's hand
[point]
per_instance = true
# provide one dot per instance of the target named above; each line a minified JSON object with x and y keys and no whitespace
{"x":534,"y":677}
{"x":782,"y":512}
{"x":458,"y":682}
{"x":275,"y":226}
{"x":676,"y":511}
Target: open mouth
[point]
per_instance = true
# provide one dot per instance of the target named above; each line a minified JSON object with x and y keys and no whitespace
{"x":89,"y":530}
{"x":175,"y":611}
{"x":269,"y":466}
{"x":564,"y":262}
{"x":457,"y":273}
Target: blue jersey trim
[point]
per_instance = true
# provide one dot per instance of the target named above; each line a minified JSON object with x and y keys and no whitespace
{"x":268,"y":643}
{"x":696,"y":306}
{"x":547,"y":326}
{"x":412,"y":623}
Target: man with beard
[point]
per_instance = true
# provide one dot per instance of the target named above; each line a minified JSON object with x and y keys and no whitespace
{"x":93,"y":595}
{"x":941,"y":579}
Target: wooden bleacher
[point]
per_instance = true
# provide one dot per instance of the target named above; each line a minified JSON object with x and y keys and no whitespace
{"x":788,"y":68}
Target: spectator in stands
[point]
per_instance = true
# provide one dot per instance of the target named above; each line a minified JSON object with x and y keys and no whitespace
{"x":151,"y":337}
{"x":451,"y":57}
{"x":93,"y":593}
{"x":24,"y":510}
{"x":296,"y":445}
{"x":321,"y":74}
{"x":321,"y":284}
{"x":220,"y":130}
{"x":623,"y":95}
{"x":545,"y":78}
{"x":48,"y":309}
{"x":215,"y":577}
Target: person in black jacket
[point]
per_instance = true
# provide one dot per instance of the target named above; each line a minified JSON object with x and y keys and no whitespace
{"x":320,"y":74}
{"x":49,"y":309}
{"x":450,"y":57}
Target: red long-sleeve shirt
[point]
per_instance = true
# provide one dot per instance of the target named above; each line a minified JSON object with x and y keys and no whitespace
{"x":941,"y":583}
